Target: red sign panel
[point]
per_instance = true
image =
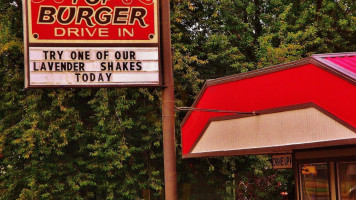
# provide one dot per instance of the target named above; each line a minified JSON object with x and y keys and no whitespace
{"x":92,"y":21}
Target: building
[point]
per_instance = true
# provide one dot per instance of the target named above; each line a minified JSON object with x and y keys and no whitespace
{"x":306,"y":109}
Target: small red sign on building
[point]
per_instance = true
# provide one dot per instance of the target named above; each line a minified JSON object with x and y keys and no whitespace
{"x":283,"y":161}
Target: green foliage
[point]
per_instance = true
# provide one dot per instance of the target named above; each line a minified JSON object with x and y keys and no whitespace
{"x":107,"y":143}
{"x":303,"y":29}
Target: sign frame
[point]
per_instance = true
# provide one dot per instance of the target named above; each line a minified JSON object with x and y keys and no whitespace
{"x":104,"y":44}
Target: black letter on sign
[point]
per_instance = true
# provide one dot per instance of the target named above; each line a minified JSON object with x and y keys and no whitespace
{"x":70,"y":17}
{"x":85,"y":13}
{"x":85,"y":77}
{"x":103,"y":19}
{"x":92,"y":77}
{"x":117,"y":55}
{"x":108,"y":76}
{"x":46,"y":15}
{"x":120,"y":15}
{"x":139,"y":66}
{"x":138,"y":14}
{"x":77,"y":75}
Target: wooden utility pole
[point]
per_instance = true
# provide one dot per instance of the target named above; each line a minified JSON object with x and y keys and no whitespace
{"x":168,"y":116}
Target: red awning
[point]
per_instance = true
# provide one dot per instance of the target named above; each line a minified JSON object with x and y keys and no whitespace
{"x":287,"y":98}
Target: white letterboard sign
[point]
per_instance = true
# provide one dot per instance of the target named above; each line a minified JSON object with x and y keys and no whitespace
{"x":76,"y":66}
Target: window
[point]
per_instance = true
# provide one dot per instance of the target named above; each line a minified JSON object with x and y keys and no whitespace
{"x":314,"y":181}
{"x":347,"y":180}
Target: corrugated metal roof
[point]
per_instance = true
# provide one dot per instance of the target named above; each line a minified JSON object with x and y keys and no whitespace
{"x":343,"y":62}
{"x":347,"y":62}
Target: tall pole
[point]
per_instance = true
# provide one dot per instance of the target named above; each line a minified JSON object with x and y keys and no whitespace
{"x":168,"y":123}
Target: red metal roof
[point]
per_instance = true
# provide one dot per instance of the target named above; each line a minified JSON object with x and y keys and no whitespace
{"x":326,"y":80}
{"x":343,"y":62}
{"x":348,"y":63}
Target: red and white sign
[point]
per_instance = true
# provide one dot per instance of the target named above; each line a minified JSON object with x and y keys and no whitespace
{"x":78,"y":43}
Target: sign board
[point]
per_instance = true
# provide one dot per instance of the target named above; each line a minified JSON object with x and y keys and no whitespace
{"x":283,"y":161}
{"x":91,"y":43}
